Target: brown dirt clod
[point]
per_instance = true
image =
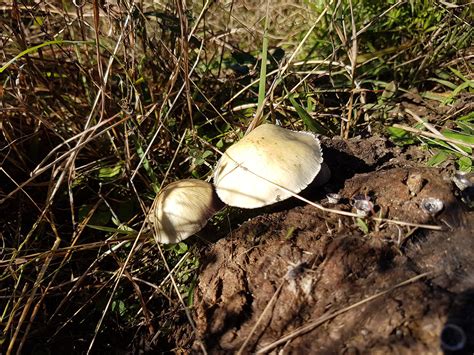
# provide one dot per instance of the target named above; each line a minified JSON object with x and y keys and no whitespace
{"x":318,"y":263}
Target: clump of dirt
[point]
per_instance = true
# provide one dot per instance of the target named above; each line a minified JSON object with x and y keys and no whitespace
{"x":292,"y":276}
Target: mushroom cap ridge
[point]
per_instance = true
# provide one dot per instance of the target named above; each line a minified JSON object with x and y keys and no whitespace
{"x":182,"y":209}
{"x":249,"y":172}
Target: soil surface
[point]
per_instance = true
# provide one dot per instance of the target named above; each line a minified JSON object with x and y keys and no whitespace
{"x":300,"y":280}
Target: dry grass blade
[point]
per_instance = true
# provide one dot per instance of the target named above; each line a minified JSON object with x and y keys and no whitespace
{"x":352,"y":54}
{"x":260,"y":317}
{"x":181,"y":7}
{"x":80,"y":280}
{"x":178,"y":293}
{"x":278,"y":71}
{"x":39,"y":171}
{"x":435,"y":132}
{"x":258,"y":118}
{"x":28,"y":305}
{"x":350,"y":214}
{"x":166,"y":278}
{"x":101,"y":103}
{"x":316,"y":323}
{"x":432,"y":135}
{"x":39,"y":303}
{"x":332,"y":210}
{"x":114,"y":289}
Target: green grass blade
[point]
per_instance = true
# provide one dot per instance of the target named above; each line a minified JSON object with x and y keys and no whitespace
{"x":35,"y":48}
{"x":308,"y":121}
{"x":263,"y":66}
{"x":444,"y":82}
{"x":128,"y":231}
{"x":437,"y":159}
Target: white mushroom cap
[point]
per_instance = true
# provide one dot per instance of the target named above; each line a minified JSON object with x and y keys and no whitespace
{"x":249,"y":171}
{"x":182,"y":209}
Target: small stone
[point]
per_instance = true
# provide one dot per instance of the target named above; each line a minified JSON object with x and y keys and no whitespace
{"x":415,"y":183}
{"x":333,"y":198}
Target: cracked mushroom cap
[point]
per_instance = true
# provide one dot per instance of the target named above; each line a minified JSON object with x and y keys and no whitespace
{"x":182,"y":209}
{"x":249,"y":171}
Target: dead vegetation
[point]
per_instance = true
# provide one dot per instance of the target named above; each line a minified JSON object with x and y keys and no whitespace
{"x":102,"y":103}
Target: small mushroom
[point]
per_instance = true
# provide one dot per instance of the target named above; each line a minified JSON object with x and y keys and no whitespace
{"x":251,"y":172}
{"x":182,"y":209}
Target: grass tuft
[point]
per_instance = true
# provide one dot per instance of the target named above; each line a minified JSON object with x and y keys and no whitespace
{"x":104,"y":103}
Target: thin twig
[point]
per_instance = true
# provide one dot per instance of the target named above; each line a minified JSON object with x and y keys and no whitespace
{"x":114,"y":289}
{"x":256,"y":120}
{"x":353,"y":59}
{"x":321,"y":207}
{"x":267,"y":307}
{"x":433,"y":130}
{"x":432,"y":135}
{"x":178,"y":293}
{"x":317,"y":322}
